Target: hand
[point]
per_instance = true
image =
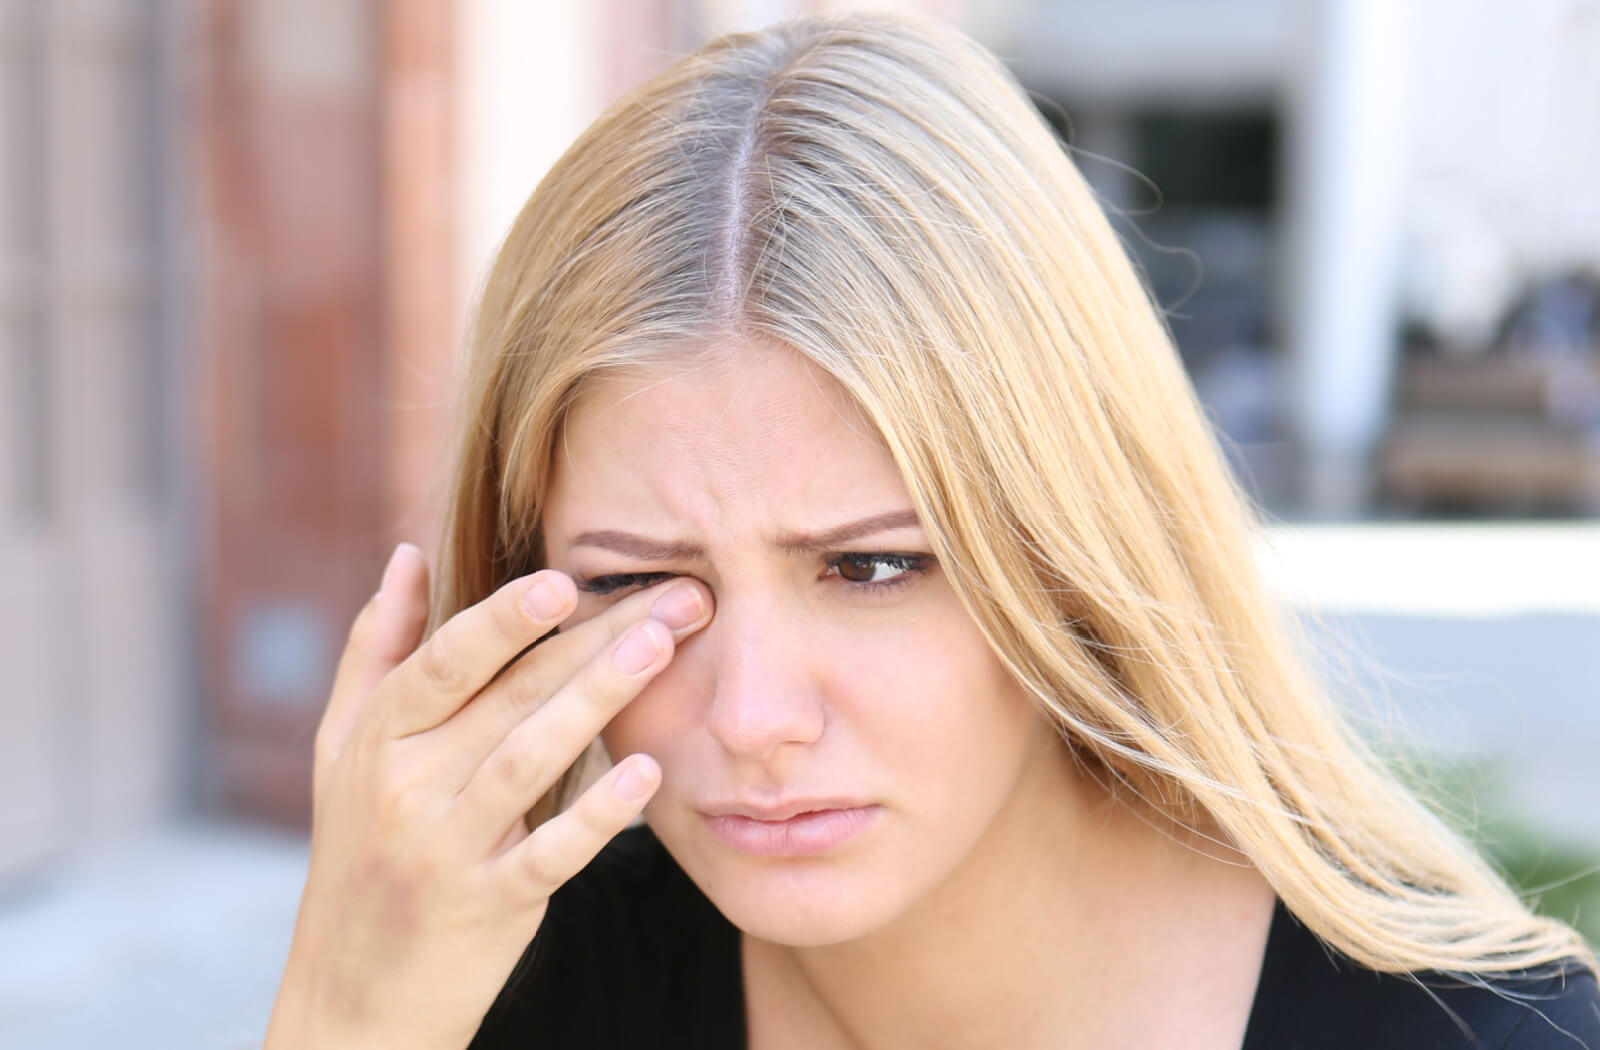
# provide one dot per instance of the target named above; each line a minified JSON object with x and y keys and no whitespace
{"x":425,"y":887}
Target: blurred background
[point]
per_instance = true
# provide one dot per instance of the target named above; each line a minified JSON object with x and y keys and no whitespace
{"x":239,"y":241}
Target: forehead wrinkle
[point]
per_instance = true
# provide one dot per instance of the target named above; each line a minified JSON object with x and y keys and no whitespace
{"x":718,"y":491}
{"x":718,"y":484}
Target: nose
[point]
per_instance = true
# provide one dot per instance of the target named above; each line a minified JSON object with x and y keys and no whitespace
{"x":766,"y":695}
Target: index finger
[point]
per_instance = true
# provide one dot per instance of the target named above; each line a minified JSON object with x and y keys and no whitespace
{"x":535,"y":677}
{"x":467,"y":651}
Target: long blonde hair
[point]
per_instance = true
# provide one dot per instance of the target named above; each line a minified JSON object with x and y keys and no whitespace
{"x":878,"y":194}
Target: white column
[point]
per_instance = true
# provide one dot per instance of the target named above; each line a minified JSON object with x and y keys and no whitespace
{"x":1348,"y":150}
{"x":113,"y":625}
{"x":531,"y":79}
{"x":34,"y":724}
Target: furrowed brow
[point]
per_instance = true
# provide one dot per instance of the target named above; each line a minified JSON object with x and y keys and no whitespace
{"x":810,"y":543}
{"x":646,"y":549}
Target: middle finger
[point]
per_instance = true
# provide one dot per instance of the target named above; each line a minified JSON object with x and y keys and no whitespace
{"x":683,"y":605}
{"x":534,"y":754}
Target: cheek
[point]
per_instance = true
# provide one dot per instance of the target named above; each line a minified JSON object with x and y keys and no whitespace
{"x":659,"y":719}
{"x":946,"y":707}
{"x":926,"y":694}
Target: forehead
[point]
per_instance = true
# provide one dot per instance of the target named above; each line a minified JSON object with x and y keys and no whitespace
{"x":752,"y":433}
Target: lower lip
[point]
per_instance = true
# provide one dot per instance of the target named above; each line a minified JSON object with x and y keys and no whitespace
{"x":803,"y":835}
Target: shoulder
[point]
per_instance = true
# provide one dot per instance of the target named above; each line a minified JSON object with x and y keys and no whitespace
{"x":628,"y":948}
{"x":1310,"y":997}
{"x":1561,"y":1012}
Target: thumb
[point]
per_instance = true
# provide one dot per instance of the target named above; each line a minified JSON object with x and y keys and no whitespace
{"x":386,"y":631}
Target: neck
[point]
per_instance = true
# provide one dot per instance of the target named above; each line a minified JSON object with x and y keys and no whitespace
{"x":1103,"y":928}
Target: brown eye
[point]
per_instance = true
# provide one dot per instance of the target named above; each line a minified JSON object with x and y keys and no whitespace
{"x":877,"y":572}
{"x":857,"y":570}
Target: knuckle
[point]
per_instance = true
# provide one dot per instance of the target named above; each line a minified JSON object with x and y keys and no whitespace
{"x":517,"y":766}
{"x":392,"y":809}
{"x":601,"y":687}
{"x":505,"y":612}
{"x":438,"y":666}
{"x":596,"y":817}
{"x":399,"y":802}
{"x":527,"y":687}
{"x":541,"y":867}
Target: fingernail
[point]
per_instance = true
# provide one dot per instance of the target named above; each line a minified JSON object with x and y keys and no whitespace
{"x":545,"y":600}
{"x":636,"y":781}
{"x":679,"y":607}
{"x":639,"y":649}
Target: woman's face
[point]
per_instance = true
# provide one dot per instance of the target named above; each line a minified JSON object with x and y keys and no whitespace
{"x":839,"y":678}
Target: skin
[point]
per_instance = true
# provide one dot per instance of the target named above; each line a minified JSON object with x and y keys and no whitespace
{"x":976,"y":906}
{"x":424,"y":886}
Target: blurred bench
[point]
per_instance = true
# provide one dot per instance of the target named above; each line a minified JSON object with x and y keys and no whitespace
{"x":1502,"y":433}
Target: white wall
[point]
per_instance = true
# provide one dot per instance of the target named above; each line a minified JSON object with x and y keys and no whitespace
{"x":531,"y":78}
{"x":1505,"y":154}
{"x":93,"y":707}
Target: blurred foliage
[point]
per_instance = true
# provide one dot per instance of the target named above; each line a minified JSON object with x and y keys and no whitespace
{"x":1557,"y":877}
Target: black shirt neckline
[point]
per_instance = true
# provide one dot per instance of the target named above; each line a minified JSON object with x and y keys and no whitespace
{"x":678,"y":980}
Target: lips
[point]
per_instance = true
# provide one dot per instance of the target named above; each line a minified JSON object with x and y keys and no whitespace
{"x":773,"y":811}
{"x":793,"y":829}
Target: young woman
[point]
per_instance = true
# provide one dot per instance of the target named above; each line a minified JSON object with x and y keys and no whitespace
{"x":824,"y":457}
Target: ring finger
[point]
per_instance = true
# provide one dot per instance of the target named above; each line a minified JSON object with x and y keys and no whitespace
{"x":535,"y":753}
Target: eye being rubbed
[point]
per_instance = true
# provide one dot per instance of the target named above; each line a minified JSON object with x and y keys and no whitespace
{"x":618,"y":581}
{"x":861,"y":572}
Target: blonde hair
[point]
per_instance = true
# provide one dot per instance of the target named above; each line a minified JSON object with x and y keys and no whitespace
{"x":878,"y":194}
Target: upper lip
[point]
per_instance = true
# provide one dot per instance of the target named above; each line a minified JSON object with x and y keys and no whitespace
{"x":779,"y":810}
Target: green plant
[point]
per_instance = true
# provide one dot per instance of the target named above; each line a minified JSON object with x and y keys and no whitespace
{"x":1558,"y":877}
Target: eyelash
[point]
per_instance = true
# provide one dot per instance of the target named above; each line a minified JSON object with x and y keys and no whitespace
{"x":910,"y":566}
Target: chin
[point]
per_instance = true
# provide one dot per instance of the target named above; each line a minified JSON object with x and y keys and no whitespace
{"x":806,"y":904}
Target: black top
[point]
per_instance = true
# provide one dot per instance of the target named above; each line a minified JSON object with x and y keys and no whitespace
{"x":632,"y":955}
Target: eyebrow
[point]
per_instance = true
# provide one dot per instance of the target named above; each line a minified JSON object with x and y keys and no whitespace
{"x":646,"y":549}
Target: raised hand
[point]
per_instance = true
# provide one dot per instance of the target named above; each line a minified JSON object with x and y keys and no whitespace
{"x":424,"y":885}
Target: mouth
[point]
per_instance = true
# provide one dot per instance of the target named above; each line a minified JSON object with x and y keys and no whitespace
{"x":793,"y":831}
